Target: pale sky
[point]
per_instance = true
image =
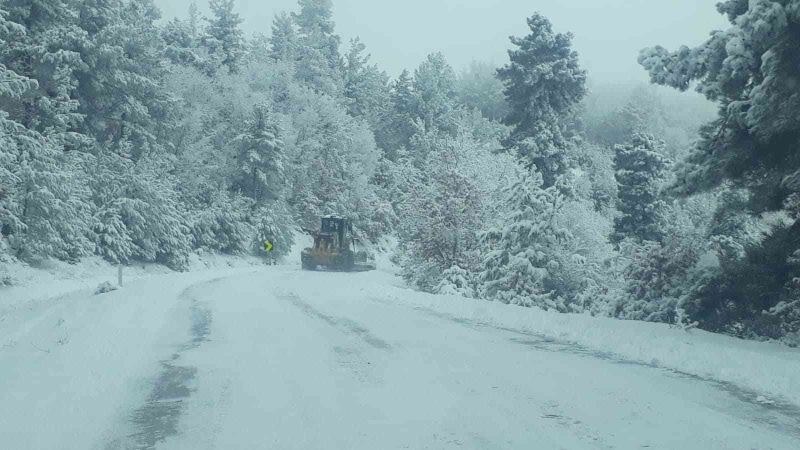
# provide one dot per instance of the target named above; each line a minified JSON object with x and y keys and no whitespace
{"x":400,"y":33}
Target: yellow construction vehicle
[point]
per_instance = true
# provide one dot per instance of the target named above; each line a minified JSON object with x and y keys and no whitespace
{"x":336,"y":248}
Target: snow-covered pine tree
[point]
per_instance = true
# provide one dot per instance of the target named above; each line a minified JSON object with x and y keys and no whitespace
{"x":643,"y":113}
{"x":456,"y":281}
{"x":435,"y":93}
{"x":224,"y":38}
{"x":750,"y":70}
{"x":48,"y":52}
{"x":366,"y":87}
{"x":182,"y":42}
{"x":260,"y":159}
{"x":478,"y":87}
{"x":543,"y":85}
{"x":640,"y":171}
{"x":44,"y":208}
{"x":333,"y":158}
{"x":319,"y":63}
{"x":283,"y":40}
{"x":443,"y":210}
{"x":139,"y":216}
{"x":12,"y":86}
{"x":520,"y":249}
{"x":400,"y":126}
{"x":120,"y":87}
{"x":273,"y":223}
{"x":660,"y":276}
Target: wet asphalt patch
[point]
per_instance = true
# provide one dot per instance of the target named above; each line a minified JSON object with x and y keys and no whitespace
{"x":158,"y":418}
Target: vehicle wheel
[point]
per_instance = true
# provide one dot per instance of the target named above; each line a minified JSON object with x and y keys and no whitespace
{"x":348,"y":263}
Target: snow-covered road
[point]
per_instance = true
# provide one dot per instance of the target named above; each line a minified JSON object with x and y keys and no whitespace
{"x":283,"y":359}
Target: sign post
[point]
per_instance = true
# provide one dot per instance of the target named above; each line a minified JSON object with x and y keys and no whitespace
{"x":268,"y":249}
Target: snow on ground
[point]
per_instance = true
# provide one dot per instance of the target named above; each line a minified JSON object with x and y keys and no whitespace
{"x":305,"y":360}
{"x":767,"y":367}
{"x":53,"y":278}
{"x":69,"y":358}
{"x":260,"y":357}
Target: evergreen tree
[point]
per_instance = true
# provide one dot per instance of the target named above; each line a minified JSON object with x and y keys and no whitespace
{"x":224,"y":37}
{"x":138,"y":216}
{"x":366,"y":89}
{"x":521,"y":248}
{"x":119,"y":90}
{"x":319,"y":63}
{"x":434,"y":93}
{"x":478,"y":87}
{"x":456,"y":281}
{"x":283,"y":41}
{"x":640,"y":173}
{"x":194,"y":21}
{"x":48,"y":52}
{"x":334,"y":157}
{"x":401,"y":126}
{"x":260,"y":157}
{"x":258,"y":49}
{"x":44,"y":208}
{"x":315,"y":15}
{"x":181,"y":38}
{"x":543,"y":85}
{"x":643,"y":113}
{"x":659,"y":277}
{"x":750,"y":70}
{"x":442,"y":212}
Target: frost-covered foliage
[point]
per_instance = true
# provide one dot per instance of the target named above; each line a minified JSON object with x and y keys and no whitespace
{"x":223,"y":38}
{"x":261,"y":156}
{"x":448,"y":188}
{"x":659,"y":275}
{"x":543,"y":85}
{"x":45,"y":211}
{"x":456,"y":281}
{"x":333,"y":159}
{"x":520,"y":248}
{"x":122,"y":137}
{"x":640,"y":174}
{"x":318,"y":61}
{"x":750,"y":70}
{"x":283,"y":42}
{"x":366,"y":87}
{"x":139,"y":216}
{"x":478,"y":87}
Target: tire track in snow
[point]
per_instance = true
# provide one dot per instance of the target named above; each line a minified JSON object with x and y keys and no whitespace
{"x":349,"y":357}
{"x":342,"y":324}
{"x":779,"y":415}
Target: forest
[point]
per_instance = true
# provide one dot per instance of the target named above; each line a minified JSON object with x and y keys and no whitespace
{"x":135,"y":138}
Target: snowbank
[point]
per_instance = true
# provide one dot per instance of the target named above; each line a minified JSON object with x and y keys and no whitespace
{"x":54,"y":278}
{"x":765,"y":367}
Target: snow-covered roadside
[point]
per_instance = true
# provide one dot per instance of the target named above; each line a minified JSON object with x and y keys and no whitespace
{"x":764,"y":367}
{"x":69,"y":359}
{"x":54,"y":278}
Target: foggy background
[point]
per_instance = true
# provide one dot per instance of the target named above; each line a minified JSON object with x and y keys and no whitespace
{"x":608,"y":33}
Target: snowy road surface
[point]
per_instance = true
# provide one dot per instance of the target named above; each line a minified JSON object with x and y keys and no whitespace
{"x":276,"y":358}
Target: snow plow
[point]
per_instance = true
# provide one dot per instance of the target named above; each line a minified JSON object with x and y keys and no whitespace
{"x":336,"y":248}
